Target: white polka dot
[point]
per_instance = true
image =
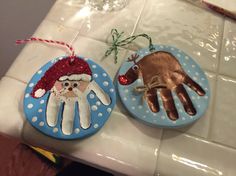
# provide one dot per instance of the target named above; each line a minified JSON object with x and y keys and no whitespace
{"x":206,"y":88}
{"x":133,"y":107}
{"x":184,"y":64}
{"x":29,"y":106}
{"x":55,"y":130}
{"x":124,"y":98}
{"x":193,"y":66}
{"x":163,"y":117}
{"x":111,"y":90}
{"x":41,"y":101}
{"x":177,"y":104}
{"x":191,"y":117}
{"x":40,"y":71}
{"x":197,"y":73}
{"x":195,"y":78}
{"x":133,"y":99}
{"x":188,"y":71}
{"x":60,"y":58}
{"x":198,"y":106}
{"x":27,"y":95}
{"x":126,"y":90}
{"x":202,"y":79}
{"x":178,"y":55}
{"x":91,"y":96}
{"x":174,"y":122}
{"x":186,"y":57}
{"x":99,"y":114}
{"x":161,"y":107}
{"x":175,"y":97}
{"x":140,"y":106}
{"x":144,"y":117}
{"x":108,"y":109}
{"x":40,"y":110}
{"x":180,"y":110}
{"x":193,"y":97}
{"x":104,"y":74}
{"x":95,"y":125}
{"x":77,"y":130}
{"x":147,"y":111}
{"x":31,"y":84}
{"x":94,"y":108}
{"x":105,"y":83}
{"x":34,"y":119}
{"x":139,"y":81}
{"x":189,"y":88}
{"x":161,"y":46}
{"x":94,"y":66}
{"x":155,"y":114}
{"x":172,"y":49}
{"x":183,"y":118}
{"x":206,"y":97}
{"x":95,"y":75}
{"x":41,"y":124}
{"x":98,"y":103}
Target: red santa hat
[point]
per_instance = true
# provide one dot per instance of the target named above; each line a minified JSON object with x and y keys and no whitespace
{"x":78,"y":69}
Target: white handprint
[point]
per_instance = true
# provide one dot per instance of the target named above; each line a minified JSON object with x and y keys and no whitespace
{"x":68,"y":92}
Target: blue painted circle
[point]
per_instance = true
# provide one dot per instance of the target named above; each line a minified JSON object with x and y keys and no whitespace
{"x":35,"y":109}
{"x":133,"y":101}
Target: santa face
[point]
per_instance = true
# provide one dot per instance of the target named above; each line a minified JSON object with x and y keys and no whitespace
{"x":69,"y":89}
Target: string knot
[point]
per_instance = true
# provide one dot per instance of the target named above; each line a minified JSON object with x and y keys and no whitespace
{"x":155,"y":83}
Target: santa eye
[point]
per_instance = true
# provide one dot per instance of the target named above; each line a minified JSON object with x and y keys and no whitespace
{"x":66,"y":84}
{"x":135,"y":67}
{"x":75,"y":85}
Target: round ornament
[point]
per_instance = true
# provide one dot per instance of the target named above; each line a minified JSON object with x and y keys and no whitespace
{"x":163,"y":86}
{"x":69,"y":97}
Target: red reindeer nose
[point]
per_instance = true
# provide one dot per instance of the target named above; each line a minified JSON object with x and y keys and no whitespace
{"x":123,"y":80}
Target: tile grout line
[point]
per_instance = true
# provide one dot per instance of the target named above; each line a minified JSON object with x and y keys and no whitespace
{"x":216,"y":83}
{"x":158,"y":153}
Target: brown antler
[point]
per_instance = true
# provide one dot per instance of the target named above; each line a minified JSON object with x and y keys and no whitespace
{"x":133,"y":58}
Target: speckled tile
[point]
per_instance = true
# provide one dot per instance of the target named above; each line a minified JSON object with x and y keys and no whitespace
{"x":182,"y":154}
{"x":228,"y":53}
{"x":192,"y":29}
{"x":224,"y":120}
{"x":35,"y":54}
{"x":201,"y":127}
{"x":99,"y":24}
{"x":11,"y":107}
{"x":95,"y":50}
{"x":69,"y":13}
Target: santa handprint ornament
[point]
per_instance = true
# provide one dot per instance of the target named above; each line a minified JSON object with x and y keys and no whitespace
{"x":161,"y":85}
{"x":70,"y":97}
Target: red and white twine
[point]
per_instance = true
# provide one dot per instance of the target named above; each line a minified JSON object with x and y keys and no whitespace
{"x":69,"y":47}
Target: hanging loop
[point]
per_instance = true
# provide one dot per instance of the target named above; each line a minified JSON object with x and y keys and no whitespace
{"x":69,"y":47}
{"x":117,"y":42}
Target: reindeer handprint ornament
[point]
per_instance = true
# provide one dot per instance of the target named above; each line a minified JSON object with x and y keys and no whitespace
{"x":163,"y":87}
{"x":70,"y":97}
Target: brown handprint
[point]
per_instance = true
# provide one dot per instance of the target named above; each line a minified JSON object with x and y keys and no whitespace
{"x":162,"y":71}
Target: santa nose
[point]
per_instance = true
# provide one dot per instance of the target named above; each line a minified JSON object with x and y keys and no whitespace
{"x":70,"y":88}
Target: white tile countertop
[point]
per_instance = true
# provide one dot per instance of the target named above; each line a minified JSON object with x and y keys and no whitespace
{"x":124,"y":145}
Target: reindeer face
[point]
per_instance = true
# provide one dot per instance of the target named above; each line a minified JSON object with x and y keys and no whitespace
{"x":132,"y":74}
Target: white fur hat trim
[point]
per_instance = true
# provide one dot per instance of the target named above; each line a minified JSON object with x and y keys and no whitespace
{"x":76,"y":77}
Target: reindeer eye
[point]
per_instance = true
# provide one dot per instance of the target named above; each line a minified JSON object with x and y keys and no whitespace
{"x":135,"y":67}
